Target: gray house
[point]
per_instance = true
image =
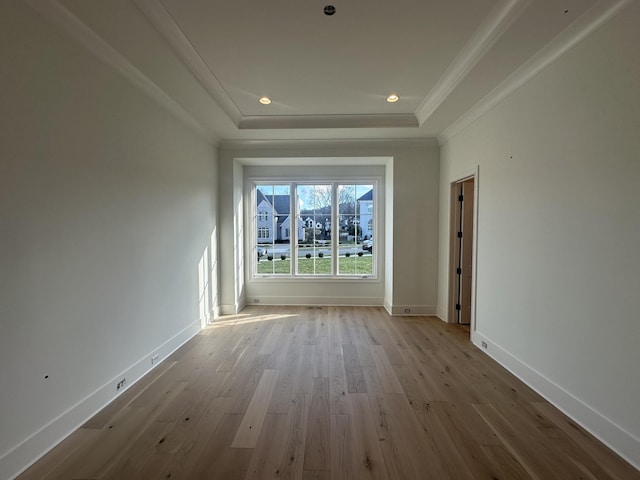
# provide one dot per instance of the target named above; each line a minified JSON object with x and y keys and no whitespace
{"x":274,"y":218}
{"x":365,"y":209}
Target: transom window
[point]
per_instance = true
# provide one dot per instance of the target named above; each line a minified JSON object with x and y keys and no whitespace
{"x":319,"y":229}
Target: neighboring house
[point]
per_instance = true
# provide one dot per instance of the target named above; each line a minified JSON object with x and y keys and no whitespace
{"x":317,"y":227}
{"x":365,"y":208}
{"x":319,"y":222}
{"x":274,"y":218}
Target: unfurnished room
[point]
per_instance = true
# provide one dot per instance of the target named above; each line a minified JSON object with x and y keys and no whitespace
{"x":319,"y":240}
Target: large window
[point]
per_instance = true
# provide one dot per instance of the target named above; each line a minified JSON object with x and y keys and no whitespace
{"x":319,"y":229}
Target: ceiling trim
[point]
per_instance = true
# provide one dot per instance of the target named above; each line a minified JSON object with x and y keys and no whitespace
{"x":496,"y":23}
{"x":329,"y":143}
{"x":164,"y":23}
{"x":157,"y":14}
{"x":328,"y":121}
{"x":584,"y":25}
{"x":300,"y":161}
{"x":59,"y":15}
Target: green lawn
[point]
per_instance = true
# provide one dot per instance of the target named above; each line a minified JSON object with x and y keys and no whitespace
{"x":353,"y":265}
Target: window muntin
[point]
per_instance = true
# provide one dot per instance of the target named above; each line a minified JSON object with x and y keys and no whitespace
{"x":323,"y":238}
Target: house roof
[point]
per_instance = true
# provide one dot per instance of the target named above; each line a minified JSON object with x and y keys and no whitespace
{"x":261,"y":198}
{"x":279,"y":203}
{"x":366,"y":196}
{"x":282,"y":204}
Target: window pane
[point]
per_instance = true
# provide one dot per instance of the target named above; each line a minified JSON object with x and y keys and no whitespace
{"x":273,"y":233}
{"x":355,"y":218}
{"x":314,"y":246}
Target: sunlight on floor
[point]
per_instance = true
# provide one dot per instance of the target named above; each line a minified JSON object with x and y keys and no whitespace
{"x":243,"y":319}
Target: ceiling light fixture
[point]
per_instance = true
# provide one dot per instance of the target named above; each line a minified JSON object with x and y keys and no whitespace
{"x":393,"y":98}
{"x":265,"y":100}
{"x":329,"y":10}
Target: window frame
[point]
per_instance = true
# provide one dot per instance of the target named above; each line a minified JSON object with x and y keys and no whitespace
{"x":293,"y":183}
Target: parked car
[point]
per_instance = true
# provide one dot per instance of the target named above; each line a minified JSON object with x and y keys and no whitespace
{"x":367,"y":245}
{"x":261,"y":251}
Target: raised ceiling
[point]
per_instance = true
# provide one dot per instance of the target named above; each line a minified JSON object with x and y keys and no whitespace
{"x":328,"y":76}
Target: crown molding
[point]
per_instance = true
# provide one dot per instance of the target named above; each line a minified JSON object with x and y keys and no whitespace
{"x":496,"y":23}
{"x":328,"y":121}
{"x":60,"y":16}
{"x":329,"y":143}
{"x":583,"y":26}
{"x":164,"y":23}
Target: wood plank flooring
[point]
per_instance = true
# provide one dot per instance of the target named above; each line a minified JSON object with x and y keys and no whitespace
{"x":329,"y":393}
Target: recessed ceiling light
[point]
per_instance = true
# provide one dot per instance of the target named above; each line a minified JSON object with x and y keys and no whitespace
{"x":393,"y":98}
{"x":265,"y":100}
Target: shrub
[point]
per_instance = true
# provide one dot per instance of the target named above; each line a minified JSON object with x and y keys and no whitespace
{"x":321,"y":255}
{"x":308,"y":255}
{"x":347,"y":254}
{"x":283,"y":257}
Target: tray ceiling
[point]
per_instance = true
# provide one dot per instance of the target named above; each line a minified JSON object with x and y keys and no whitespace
{"x":326,"y":76}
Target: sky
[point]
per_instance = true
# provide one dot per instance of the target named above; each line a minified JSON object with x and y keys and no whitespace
{"x":321,"y":192}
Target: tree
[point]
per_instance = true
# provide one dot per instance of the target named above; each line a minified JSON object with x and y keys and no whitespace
{"x":346,"y":199}
{"x":321,"y":197}
{"x":355,"y":230}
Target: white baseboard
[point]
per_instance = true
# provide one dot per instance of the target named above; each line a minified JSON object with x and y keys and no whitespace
{"x":411,"y":310}
{"x":388,"y":307}
{"x":27,"y":452}
{"x":229,"y":309}
{"x":240,"y":305}
{"x":612,"y":435}
{"x":309,"y":300}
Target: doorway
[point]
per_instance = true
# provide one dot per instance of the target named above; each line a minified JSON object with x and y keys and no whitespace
{"x":461,"y":251}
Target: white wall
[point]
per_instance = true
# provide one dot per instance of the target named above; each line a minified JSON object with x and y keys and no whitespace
{"x":107,"y":204}
{"x":411,"y":173}
{"x":559,"y":230}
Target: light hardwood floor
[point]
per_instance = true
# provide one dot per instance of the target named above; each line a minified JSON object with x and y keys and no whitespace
{"x":331,"y":392}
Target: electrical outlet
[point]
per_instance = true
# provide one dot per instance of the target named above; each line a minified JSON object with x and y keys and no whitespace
{"x":121,"y":384}
{"x":256,"y":300}
{"x":407,"y":310}
{"x":154,"y":359}
{"x":484,"y":344}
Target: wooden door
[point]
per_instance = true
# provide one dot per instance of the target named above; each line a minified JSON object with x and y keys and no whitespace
{"x":466,"y":251}
{"x":461,"y":251}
